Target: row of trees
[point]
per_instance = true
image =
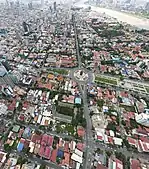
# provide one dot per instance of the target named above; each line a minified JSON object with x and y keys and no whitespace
{"x":79,"y":118}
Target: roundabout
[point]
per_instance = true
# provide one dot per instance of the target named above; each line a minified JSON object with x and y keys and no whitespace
{"x":81,"y":75}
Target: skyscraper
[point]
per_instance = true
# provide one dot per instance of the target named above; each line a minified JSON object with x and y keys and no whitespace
{"x":5,"y":63}
{"x":147,"y":6}
{"x":25,"y":27}
{"x":133,"y":2}
{"x":30,"y":6}
{"x":50,"y":9}
{"x":42,"y":3}
{"x":54,"y":6}
{"x":5,"y":76}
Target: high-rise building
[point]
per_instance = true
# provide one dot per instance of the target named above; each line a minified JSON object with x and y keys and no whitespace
{"x":3,"y":31}
{"x":30,"y":6}
{"x":42,"y":3}
{"x":5,"y":76}
{"x":25,"y":27}
{"x":50,"y":9}
{"x":54,"y":6}
{"x":5,"y":63}
{"x":133,"y":2}
{"x":127,"y":1}
{"x":147,"y":6}
{"x":11,"y":4}
{"x":18,"y":3}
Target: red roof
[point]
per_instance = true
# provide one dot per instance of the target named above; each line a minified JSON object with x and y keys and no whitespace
{"x":147,"y":129}
{"x":129,"y":115}
{"x":26,"y":143}
{"x":124,"y":94}
{"x":132,"y":141}
{"x":100,"y":138}
{"x":66,"y":159}
{"x":12,"y":106}
{"x":107,"y":132}
{"x":135,"y":164}
{"x":119,"y":164}
{"x":80,"y":146}
{"x":48,"y":86}
{"x":66,"y":61}
{"x":81,"y":132}
{"x":41,"y":151}
{"x":21,"y":117}
{"x":110,"y":139}
{"x":109,"y":94}
{"x":25,"y":105}
{"x":142,"y":131}
{"x":53,"y":155}
{"x":143,"y":146}
{"x":50,"y":141}
{"x":66,"y":147}
{"x":144,"y":139}
{"x":22,"y":140}
{"x":100,"y":166}
{"x":103,"y":68}
{"x":47,"y":153}
{"x":20,"y":132}
{"x":36,"y":138}
{"x":44,"y":139}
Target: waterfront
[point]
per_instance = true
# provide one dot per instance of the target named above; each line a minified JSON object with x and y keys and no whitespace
{"x":120,"y":16}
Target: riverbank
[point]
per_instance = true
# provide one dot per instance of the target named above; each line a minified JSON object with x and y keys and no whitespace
{"x":141,"y":23}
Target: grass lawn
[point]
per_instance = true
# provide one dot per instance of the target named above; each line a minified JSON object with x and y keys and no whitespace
{"x":105,"y":80}
{"x":59,"y":129}
{"x":60,"y":71}
{"x":68,"y":111}
{"x":147,"y":89}
{"x":70,"y":129}
{"x":66,"y":128}
{"x":128,"y":108}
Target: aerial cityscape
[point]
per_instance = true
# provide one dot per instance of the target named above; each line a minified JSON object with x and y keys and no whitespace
{"x":74,"y":84}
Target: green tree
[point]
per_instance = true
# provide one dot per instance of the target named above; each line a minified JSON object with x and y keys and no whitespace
{"x":100,"y":103}
{"x":126,"y":143}
{"x":128,"y":162}
{"x":111,"y":126}
{"x":121,"y":157}
{"x":51,"y":124}
{"x":117,"y":120}
{"x":99,"y":151}
{"x":83,"y":123}
{"x":42,"y":166}
{"x":109,"y":153}
{"x":7,"y":148}
{"x":121,"y":78}
{"x":123,"y":123}
{"x":19,"y":161}
{"x":91,"y":113}
{"x":133,"y":123}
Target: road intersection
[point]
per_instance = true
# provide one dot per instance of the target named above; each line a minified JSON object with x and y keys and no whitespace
{"x":89,"y":140}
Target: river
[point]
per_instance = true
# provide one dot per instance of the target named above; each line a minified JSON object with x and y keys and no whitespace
{"x":120,"y":16}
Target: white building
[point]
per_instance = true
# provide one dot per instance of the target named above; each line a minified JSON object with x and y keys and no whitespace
{"x":142,"y":119}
